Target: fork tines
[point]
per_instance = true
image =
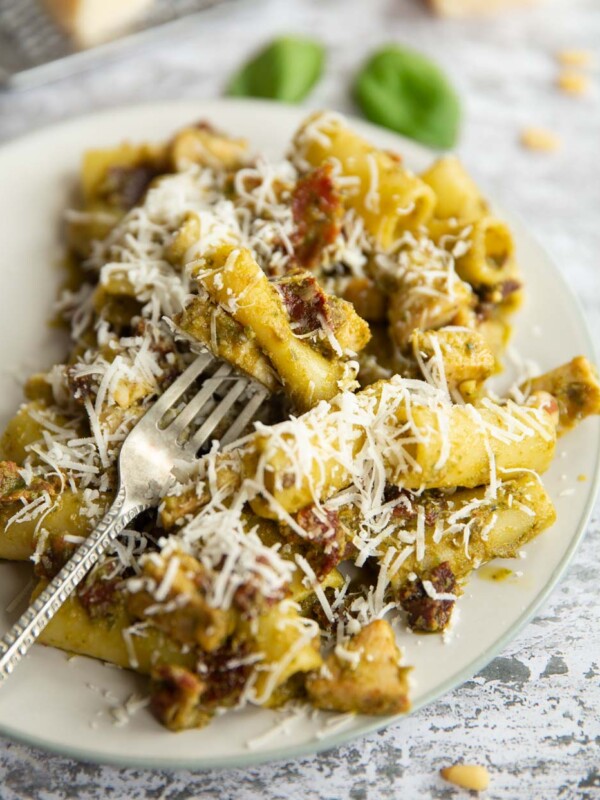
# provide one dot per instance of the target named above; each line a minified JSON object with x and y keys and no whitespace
{"x":208,"y":398}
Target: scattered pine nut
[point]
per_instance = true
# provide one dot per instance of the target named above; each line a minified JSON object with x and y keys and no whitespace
{"x":575,"y":58}
{"x":467,"y":776}
{"x":582,"y":477}
{"x":540,"y":139}
{"x":573,"y":82}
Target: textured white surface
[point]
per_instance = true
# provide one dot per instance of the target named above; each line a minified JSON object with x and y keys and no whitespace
{"x":533,"y":715}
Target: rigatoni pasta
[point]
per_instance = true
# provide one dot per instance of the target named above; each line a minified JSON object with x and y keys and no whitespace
{"x":374,"y":305}
{"x":387,"y":196}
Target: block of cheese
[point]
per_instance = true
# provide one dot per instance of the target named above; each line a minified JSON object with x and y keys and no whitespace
{"x":462,"y":8}
{"x":90,"y":22}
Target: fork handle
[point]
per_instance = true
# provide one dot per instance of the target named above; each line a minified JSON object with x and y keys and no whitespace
{"x":23,"y":634}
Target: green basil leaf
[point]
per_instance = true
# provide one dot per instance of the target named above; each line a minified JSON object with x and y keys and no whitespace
{"x":405,"y":91}
{"x":286,"y":69}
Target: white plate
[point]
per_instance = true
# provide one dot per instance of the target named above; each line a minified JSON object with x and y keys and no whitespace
{"x":63,"y":705}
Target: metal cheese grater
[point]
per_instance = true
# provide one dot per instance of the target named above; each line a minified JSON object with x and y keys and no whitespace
{"x":33,"y":49}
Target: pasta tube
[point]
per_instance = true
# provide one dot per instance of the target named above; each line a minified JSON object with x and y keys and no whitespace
{"x":367,"y":298}
{"x":113,"y":180}
{"x":470,"y":527}
{"x":483,"y":250}
{"x":576,"y":388}
{"x":209,"y":324}
{"x":419,"y":442}
{"x":205,"y":146}
{"x":111,"y":638}
{"x":458,"y":358}
{"x":26,"y":428}
{"x":428,"y":295}
{"x":288,"y":644}
{"x":184,"y":613}
{"x":235,"y":281}
{"x":457,"y":196}
{"x":389,"y":198}
{"x":442,"y":539}
{"x":363,"y":675}
{"x":22,"y":535}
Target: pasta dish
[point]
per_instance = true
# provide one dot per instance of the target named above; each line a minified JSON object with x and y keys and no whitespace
{"x":374,"y":305}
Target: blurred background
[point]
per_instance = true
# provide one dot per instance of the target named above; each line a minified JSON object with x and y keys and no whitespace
{"x":528,"y":83}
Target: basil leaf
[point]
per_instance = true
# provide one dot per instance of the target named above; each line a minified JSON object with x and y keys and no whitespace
{"x":405,"y":91}
{"x":287,"y":69}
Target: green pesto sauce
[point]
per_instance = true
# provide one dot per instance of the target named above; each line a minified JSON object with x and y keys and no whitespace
{"x":491,"y":573}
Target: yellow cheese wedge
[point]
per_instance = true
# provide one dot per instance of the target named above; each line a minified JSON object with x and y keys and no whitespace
{"x":90,"y":22}
{"x":462,"y":8}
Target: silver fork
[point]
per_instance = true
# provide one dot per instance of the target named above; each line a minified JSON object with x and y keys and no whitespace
{"x":145,"y":464}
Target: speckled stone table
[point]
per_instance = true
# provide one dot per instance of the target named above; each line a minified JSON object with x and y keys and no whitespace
{"x":533,"y":715}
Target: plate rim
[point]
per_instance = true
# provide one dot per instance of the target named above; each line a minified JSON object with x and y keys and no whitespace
{"x":316,"y":746}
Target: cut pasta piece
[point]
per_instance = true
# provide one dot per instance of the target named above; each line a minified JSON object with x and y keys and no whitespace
{"x":456,"y":359}
{"x":204,"y":145}
{"x":483,"y":250}
{"x":113,"y":180}
{"x":405,"y":428}
{"x":386,"y":195}
{"x":363,"y":676}
{"x":367,"y":298}
{"x":288,"y":644}
{"x":186,"y":501}
{"x":428,"y":294}
{"x":234,"y":280}
{"x":576,"y":388}
{"x":457,"y":196}
{"x":462,"y":531}
{"x":208,"y":323}
{"x":172,"y":596}
{"x":51,"y":532}
{"x":114,"y":638}
{"x":27,"y":427}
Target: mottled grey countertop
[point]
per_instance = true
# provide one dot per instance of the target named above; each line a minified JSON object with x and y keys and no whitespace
{"x":533,"y":715}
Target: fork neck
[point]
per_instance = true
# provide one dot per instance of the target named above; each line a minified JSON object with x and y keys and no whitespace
{"x":127,"y":507}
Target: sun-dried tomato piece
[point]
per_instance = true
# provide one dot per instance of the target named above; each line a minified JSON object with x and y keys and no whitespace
{"x":317,"y":210}
{"x":425,"y":613}
{"x":304,"y":301}
{"x":225,"y":673}
{"x":98,"y":593}
{"x":326,"y":539}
